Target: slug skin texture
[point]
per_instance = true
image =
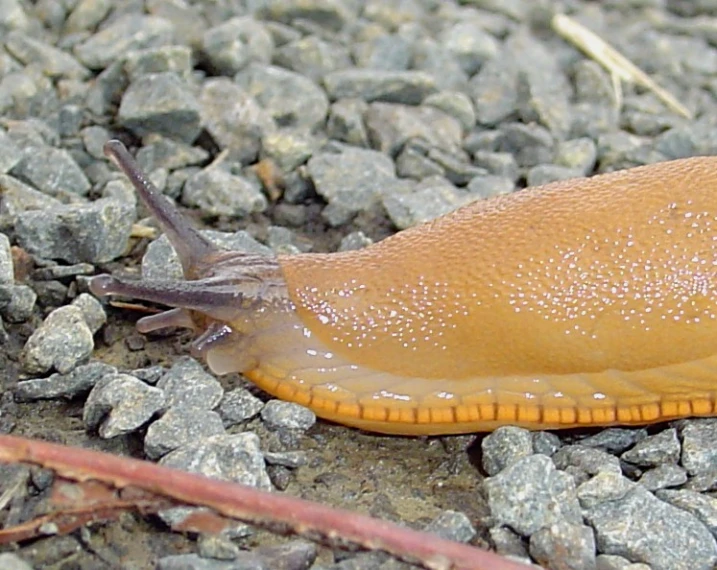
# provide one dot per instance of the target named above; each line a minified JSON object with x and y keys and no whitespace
{"x":583,"y":302}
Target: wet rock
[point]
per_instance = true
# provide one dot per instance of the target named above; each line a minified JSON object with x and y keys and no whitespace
{"x":452,"y":525}
{"x":279,"y":415}
{"x":407,"y":87}
{"x":62,"y":341}
{"x":504,"y":446}
{"x":187,"y":384}
{"x":564,"y":545}
{"x":659,"y":449}
{"x":220,"y":193}
{"x":642,"y":528}
{"x":179,"y":426}
{"x":235,"y":458}
{"x":160,"y":103}
{"x":93,"y":233}
{"x":238,"y":405}
{"x":80,"y":381}
{"x":120,"y":404}
{"x":530,"y":494}
{"x":130,"y":32}
{"x":52,"y":171}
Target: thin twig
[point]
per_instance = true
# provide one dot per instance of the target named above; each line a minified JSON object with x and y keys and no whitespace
{"x":612,"y":60}
{"x":250,"y":505}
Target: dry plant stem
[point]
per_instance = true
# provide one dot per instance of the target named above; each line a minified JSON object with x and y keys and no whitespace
{"x":612,"y":60}
{"x":250,"y":505}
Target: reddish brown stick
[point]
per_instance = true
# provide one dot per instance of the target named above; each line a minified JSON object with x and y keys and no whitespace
{"x":250,"y":505}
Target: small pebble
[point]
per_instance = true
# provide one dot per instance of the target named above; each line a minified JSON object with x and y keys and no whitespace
{"x":606,"y":486}
{"x":120,"y":404}
{"x":160,"y":103}
{"x":80,"y":381}
{"x":452,"y":525}
{"x":699,"y":454}
{"x":278,"y":415}
{"x":407,"y":87}
{"x":659,"y":449}
{"x":663,"y":476}
{"x":52,"y":171}
{"x":564,"y":545}
{"x":179,"y":426}
{"x":351,"y":180}
{"x":235,"y":458}
{"x":704,"y":507}
{"x":642,"y":528}
{"x":504,"y":446}
{"x":219,"y":193}
{"x":11,"y":561}
{"x":7,"y":276}
{"x":530,"y":494}
{"x":238,"y":405}
{"x":92,"y":233}
{"x":61,"y":342}
{"x":187,"y":384}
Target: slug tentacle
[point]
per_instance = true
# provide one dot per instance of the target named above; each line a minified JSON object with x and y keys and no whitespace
{"x":192,"y":248}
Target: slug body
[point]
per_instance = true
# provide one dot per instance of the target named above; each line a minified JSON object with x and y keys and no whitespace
{"x":584,"y":302}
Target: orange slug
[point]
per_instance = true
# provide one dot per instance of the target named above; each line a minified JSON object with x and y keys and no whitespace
{"x":583,"y":302}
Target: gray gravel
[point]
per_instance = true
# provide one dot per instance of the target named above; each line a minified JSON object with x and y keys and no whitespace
{"x":318,"y":126}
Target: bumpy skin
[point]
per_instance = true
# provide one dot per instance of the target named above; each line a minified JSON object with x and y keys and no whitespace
{"x":585,"y":302}
{"x":583,"y":288}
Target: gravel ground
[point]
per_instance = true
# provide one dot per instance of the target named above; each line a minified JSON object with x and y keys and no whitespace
{"x":324,"y":125}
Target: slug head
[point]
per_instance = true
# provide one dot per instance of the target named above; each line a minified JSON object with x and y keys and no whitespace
{"x":224,"y":292}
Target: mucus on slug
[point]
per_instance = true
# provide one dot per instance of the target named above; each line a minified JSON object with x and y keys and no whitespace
{"x":570,"y":304}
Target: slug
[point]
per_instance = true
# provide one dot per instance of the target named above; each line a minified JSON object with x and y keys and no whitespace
{"x":583,"y":302}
